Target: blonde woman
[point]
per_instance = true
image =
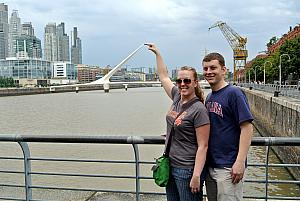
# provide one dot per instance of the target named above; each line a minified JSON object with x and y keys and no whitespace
{"x":191,"y":132}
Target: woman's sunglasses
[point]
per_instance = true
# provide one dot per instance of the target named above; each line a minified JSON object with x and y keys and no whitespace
{"x":185,"y":81}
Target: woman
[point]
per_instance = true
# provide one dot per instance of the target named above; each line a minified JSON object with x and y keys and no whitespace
{"x":191,"y":132}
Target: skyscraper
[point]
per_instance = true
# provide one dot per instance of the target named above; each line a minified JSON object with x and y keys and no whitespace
{"x":76,"y":50}
{"x":50,"y":43}
{"x":13,"y":33}
{"x":3,"y":31}
{"x":27,"y":29}
{"x":28,"y":46}
{"x":63,"y":43}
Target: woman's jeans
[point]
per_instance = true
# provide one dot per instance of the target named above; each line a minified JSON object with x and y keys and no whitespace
{"x":178,"y":188}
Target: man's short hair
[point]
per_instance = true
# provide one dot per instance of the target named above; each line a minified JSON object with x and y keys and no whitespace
{"x":214,"y":56}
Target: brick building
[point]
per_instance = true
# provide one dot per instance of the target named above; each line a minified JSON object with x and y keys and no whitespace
{"x":293,"y":33}
{"x":88,"y":73}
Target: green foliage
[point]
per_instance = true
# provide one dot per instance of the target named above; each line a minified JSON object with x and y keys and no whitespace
{"x":272,"y":41}
{"x":7,"y":82}
{"x":292,"y":48}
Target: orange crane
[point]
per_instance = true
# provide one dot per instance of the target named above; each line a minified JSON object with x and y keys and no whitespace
{"x":238,"y":45}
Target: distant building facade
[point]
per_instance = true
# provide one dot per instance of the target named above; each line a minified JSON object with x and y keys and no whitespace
{"x":88,"y":73}
{"x":21,"y":40}
{"x":28,"y":46}
{"x":56,"y":43}
{"x":76,"y":50}
{"x":27,"y":29}
{"x":62,"y":43}
{"x":174,"y":74}
{"x":28,"y":68}
{"x":293,"y":33}
{"x":65,"y":70}
{"x":14,"y":32}
{"x":4,"y":28}
{"x":50,"y":42}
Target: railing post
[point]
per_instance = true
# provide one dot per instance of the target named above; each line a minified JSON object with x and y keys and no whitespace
{"x":267,"y":171}
{"x":137,"y":171}
{"x":27,"y":169}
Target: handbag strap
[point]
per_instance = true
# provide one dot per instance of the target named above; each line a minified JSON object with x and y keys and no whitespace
{"x":185,"y":107}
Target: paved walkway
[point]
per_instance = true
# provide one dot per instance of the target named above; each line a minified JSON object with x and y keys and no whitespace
{"x":126,"y":197}
{"x":131,"y":197}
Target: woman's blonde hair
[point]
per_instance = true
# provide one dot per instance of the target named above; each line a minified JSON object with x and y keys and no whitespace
{"x":198,"y":91}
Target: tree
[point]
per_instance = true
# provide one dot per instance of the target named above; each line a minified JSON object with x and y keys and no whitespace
{"x":272,"y":41}
{"x":7,"y":82}
{"x":292,"y":48}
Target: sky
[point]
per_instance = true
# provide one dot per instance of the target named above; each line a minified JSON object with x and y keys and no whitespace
{"x":111,"y":29}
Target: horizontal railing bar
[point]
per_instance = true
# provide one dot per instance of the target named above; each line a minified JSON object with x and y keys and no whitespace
{"x":12,"y":185}
{"x":283,"y":198}
{"x":250,"y":180}
{"x":272,"y":181}
{"x":256,"y":141}
{"x":273,"y":165}
{"x":82,"y":175}
{"x":10,"y":158}
{"x":283,"y":182}
{"x":80,"y":189}
{"x":247,"y":180}
{"x":40,"y":200}
{"x":284,"y":165}
{"x":248,"y":164}
{"x":7,"y":198}
{"x":80,"y":160}
{"x":271,"y":198}
{"x":11,"y":172}
{"x":249,"y":197}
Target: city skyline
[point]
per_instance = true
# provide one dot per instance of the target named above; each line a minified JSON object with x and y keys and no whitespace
{"x":111,"y":30}
{"x":18,"y":40}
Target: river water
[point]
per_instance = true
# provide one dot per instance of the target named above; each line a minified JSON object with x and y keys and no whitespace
{"x":138,"y":112}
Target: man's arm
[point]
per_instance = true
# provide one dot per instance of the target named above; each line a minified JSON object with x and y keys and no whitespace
{"x":238,"y":167}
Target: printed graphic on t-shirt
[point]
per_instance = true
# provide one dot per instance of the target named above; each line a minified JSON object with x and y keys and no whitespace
{"x":214,"y":107}
{"x":174,"y":114}
{"x":178,"y":121}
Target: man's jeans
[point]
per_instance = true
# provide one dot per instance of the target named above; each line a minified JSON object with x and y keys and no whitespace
{"x":178,"y":188}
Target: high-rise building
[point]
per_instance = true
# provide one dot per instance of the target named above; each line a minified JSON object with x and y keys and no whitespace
{"x":28,"y":46}
{"x":13,"y":33}
{"x":76,"y":50}
{"x":50,"y":43}
{"x":27,"y":29}
{"x":3,"y":31}
{"x":62,"y":43}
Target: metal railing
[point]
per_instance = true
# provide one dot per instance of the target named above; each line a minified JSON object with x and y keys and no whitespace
{"x":284,"y":90}
{"x":134,"y":141}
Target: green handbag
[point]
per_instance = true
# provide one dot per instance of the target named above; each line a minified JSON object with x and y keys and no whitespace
{"x":161,"y":171}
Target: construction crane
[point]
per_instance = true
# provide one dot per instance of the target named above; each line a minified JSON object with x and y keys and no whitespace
{"x":238,"y":45}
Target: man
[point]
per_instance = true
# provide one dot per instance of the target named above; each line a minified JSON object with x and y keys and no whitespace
{"x":230,"y":133}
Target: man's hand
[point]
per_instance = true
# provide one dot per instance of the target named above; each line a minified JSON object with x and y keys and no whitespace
{"x":237,"y":171}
